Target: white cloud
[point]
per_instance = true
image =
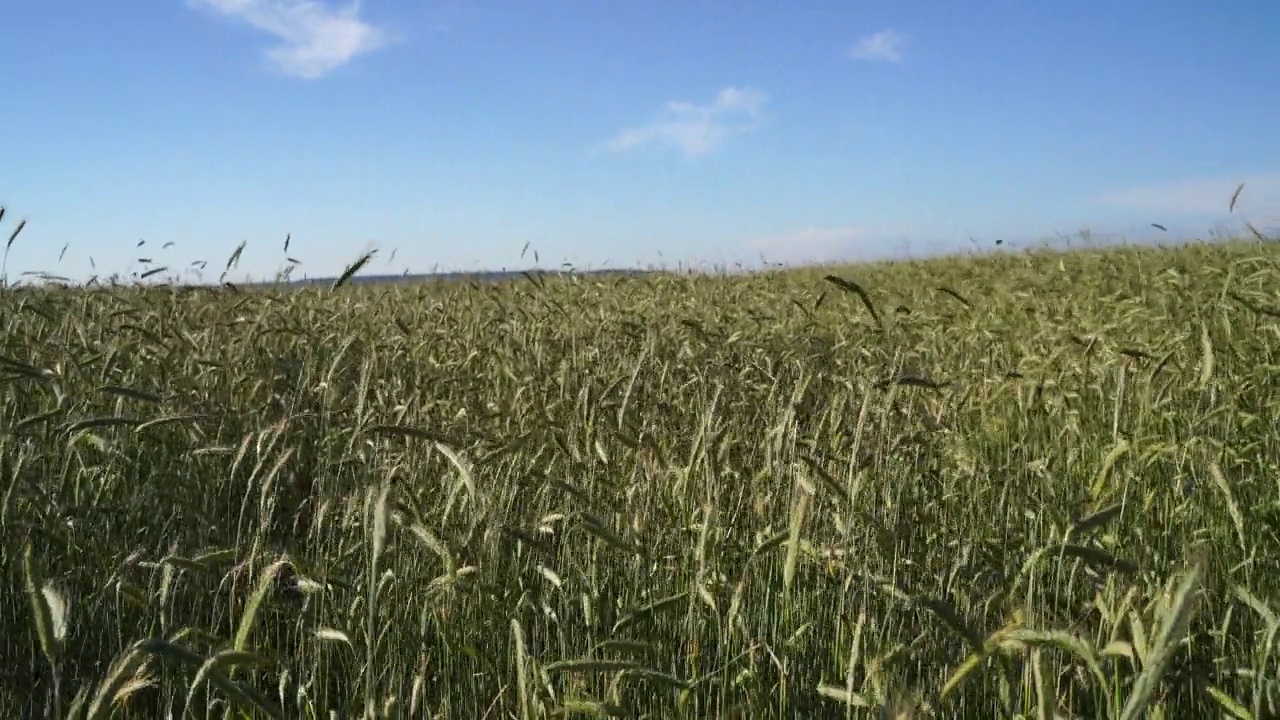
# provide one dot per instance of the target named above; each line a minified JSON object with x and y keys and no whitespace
{"x":314,"y":39}
{"x":830,"y":244}
{"x":1259,"y":200}
{"x":697,"y":129}
{"x":883,"y":46}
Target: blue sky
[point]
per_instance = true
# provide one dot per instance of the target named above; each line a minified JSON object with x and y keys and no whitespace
{"x":607,"y":133}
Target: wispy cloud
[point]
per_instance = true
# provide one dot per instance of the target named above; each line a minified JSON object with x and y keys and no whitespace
{"x":830,"y":244}
{"x":314,"y":39}
{"x":697,"y":129}
{"x":1259,"y":201}
{"x":883,"y":46}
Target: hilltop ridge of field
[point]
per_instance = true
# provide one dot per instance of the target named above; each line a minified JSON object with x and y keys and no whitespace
{"x":1028,"y":484}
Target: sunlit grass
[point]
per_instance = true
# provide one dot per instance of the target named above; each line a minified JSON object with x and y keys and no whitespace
{"x":1027,"y":485}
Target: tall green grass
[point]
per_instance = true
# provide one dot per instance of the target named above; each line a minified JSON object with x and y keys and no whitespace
{"x":1040,"y":485}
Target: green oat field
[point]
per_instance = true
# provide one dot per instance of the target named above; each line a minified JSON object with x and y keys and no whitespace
{"x":1021,"y":485}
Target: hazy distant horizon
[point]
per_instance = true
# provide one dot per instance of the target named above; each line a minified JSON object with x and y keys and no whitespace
{"x":212,"y":277}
